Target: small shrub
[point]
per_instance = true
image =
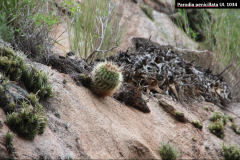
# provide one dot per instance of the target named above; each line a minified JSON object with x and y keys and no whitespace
{"x":167,"y":152}
{"x":231,"y":118}
{"x":31,"y":22}
{"x":197,"y":124}
{"x":231,"y":152}
{"x":179,"y":115}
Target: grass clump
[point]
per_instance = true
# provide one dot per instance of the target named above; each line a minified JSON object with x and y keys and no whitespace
{"x":197,"y":124}
{"x":147,"y":10}
{"x":231,"y":152}
{"x":179,"y":115}
{"x":167,"y":152}
{"x":6,"y":32}
{"x":8,"y":142}
{"x":95,"y":27}
{"x":217,"y":124}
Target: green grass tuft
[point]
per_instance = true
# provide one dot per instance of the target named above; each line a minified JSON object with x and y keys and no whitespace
{"x":167,"y":152}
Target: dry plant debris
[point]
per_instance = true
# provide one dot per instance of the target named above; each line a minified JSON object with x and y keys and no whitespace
{"x":158,"y":69}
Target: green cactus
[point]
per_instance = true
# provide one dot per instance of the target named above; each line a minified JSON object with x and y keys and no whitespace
{"x":106,"y":78}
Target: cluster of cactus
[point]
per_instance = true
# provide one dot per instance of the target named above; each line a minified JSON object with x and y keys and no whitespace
{"x":30,"y":121}
{"x":197,"y":124}
{"x":106,"y":78}
{"x":28,"y":118}
{"x":11,"y":64}
{"x":217,"y":124}
{"x":15,"y":69}
{"x":36,"y":80}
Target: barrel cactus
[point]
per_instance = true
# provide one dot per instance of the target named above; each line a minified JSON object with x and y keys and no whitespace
{"x":106,"y":78}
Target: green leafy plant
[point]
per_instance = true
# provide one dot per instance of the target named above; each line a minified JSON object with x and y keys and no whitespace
{"x":167,"y":152}
{"x":106,"y":78}
{"x":231,"y":152}
{"x":197,"y":124}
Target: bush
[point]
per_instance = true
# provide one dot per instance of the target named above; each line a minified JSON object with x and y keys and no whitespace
{"x":167,"y":152}
{"x":31,"y":21}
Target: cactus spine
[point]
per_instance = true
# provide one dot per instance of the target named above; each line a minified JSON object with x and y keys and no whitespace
{"x":106,"y":78}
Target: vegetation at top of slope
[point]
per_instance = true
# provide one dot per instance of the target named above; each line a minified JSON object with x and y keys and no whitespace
{"x":218,"y":30}
{"x":29,"y":23}
{"x":95,"y":27}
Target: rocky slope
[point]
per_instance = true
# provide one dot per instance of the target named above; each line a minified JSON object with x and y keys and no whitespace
{"x":84,"y":126}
